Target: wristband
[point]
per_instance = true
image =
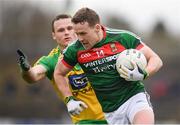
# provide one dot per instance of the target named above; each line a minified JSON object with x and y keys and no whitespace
{"x":68,"y":98}
{"x":146,"y":74}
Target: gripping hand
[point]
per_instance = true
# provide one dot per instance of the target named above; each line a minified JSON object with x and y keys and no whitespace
{"x":137,"y":74}
{"x":22,"y":60}
{"x":74,"y":106}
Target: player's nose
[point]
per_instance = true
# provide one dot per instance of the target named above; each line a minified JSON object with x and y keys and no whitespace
{"x":66,"y":31}
{"x":80,"y":38}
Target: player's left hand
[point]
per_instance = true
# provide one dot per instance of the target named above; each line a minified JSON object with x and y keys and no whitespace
{"x":137,"y":74}
{"x":75,"y":107}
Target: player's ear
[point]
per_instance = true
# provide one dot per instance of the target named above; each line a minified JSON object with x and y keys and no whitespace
{"x":53,"y":36}
{"x":97,"y":27}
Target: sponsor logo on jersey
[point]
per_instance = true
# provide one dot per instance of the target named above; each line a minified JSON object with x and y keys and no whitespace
{"x":101,"y":65}
{"x":79,"y":84}
{"x":78,"y":81}
{"x":83,"y":91}
{"x":102,"y":58}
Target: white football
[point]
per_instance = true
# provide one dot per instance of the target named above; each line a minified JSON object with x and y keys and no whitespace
{"x":129,"y":55}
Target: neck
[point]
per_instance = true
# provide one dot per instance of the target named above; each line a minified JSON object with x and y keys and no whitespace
{"x":101,"y":35}
{"x":61,"y":48}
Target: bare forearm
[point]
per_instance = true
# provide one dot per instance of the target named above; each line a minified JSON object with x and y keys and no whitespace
{"x":62,"y":85}
{"x":60,"y":73}
{"x":154,"y":61}
{"x":29,"y":76}
{"x":154,"y":64}
{"x":34,"y":74}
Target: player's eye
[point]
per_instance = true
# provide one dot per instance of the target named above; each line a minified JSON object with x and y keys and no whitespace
{"x":69,"y":27}
{"x":61,"y":30}
{"x":81,"y":34}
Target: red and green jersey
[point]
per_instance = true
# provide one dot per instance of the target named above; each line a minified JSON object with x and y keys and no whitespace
{"x":99,"y":65}
{"x":79,"y":86}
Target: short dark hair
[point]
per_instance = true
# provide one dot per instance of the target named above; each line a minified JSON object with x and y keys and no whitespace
{"x":86,"y":15}
{"x":61,"y":16}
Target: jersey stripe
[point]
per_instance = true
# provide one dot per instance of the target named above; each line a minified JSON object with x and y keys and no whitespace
{"x":116,"y":31}
{"x":139,"y":46}
{"x":66,"y":64}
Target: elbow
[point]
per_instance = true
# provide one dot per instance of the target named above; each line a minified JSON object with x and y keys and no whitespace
{"x":160,"y":63}
{"x":56,"y":73}
{"x":155,"y":65}
{"x":29,"y":80}
{"x":60,"y":72}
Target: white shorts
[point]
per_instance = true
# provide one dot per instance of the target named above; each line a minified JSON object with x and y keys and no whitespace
{"x":126,"y":112}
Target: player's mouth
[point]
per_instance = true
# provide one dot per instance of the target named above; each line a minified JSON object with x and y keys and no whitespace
{"x":68,"y":39}
{"x":86,"y":45}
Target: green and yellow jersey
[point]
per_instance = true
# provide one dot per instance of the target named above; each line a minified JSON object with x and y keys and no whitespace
{"x":79,"y":85}
{"x":99,"y":65}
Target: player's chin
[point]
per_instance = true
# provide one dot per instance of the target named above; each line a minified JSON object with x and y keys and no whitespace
{"x":87,"y":46}
{"x":66,"y":42}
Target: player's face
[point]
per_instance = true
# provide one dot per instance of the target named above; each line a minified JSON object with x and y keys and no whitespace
{"x":87,"y":35}
{"x":64,"y":32}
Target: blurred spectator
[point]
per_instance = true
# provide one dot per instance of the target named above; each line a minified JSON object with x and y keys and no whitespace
{"x":174,"y":90}
{"x":9,"y":87}
{"x":159,"y":89}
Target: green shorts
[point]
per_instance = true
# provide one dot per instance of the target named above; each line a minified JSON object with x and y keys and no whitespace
{"x":89,"y":122}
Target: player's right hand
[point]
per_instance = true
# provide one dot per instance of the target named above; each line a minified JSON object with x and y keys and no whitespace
{"x":137,"y":74}
{"x":22,"y":61}
{"x":75,"y":107}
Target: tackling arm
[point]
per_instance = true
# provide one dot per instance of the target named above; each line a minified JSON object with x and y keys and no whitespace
{"x":34,"y":74}
{"x":30,"y":74}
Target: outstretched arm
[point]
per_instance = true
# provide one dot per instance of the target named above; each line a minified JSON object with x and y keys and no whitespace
{"x":30,"y":74}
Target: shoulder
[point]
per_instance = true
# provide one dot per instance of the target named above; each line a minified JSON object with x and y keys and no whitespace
{"x":54,"y":51}
{"x":74,"y":46}
{"x":122,"y":33}
{"x":53,"y":55}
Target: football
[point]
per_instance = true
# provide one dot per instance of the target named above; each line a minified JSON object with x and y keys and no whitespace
{"x":128,"y":55}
